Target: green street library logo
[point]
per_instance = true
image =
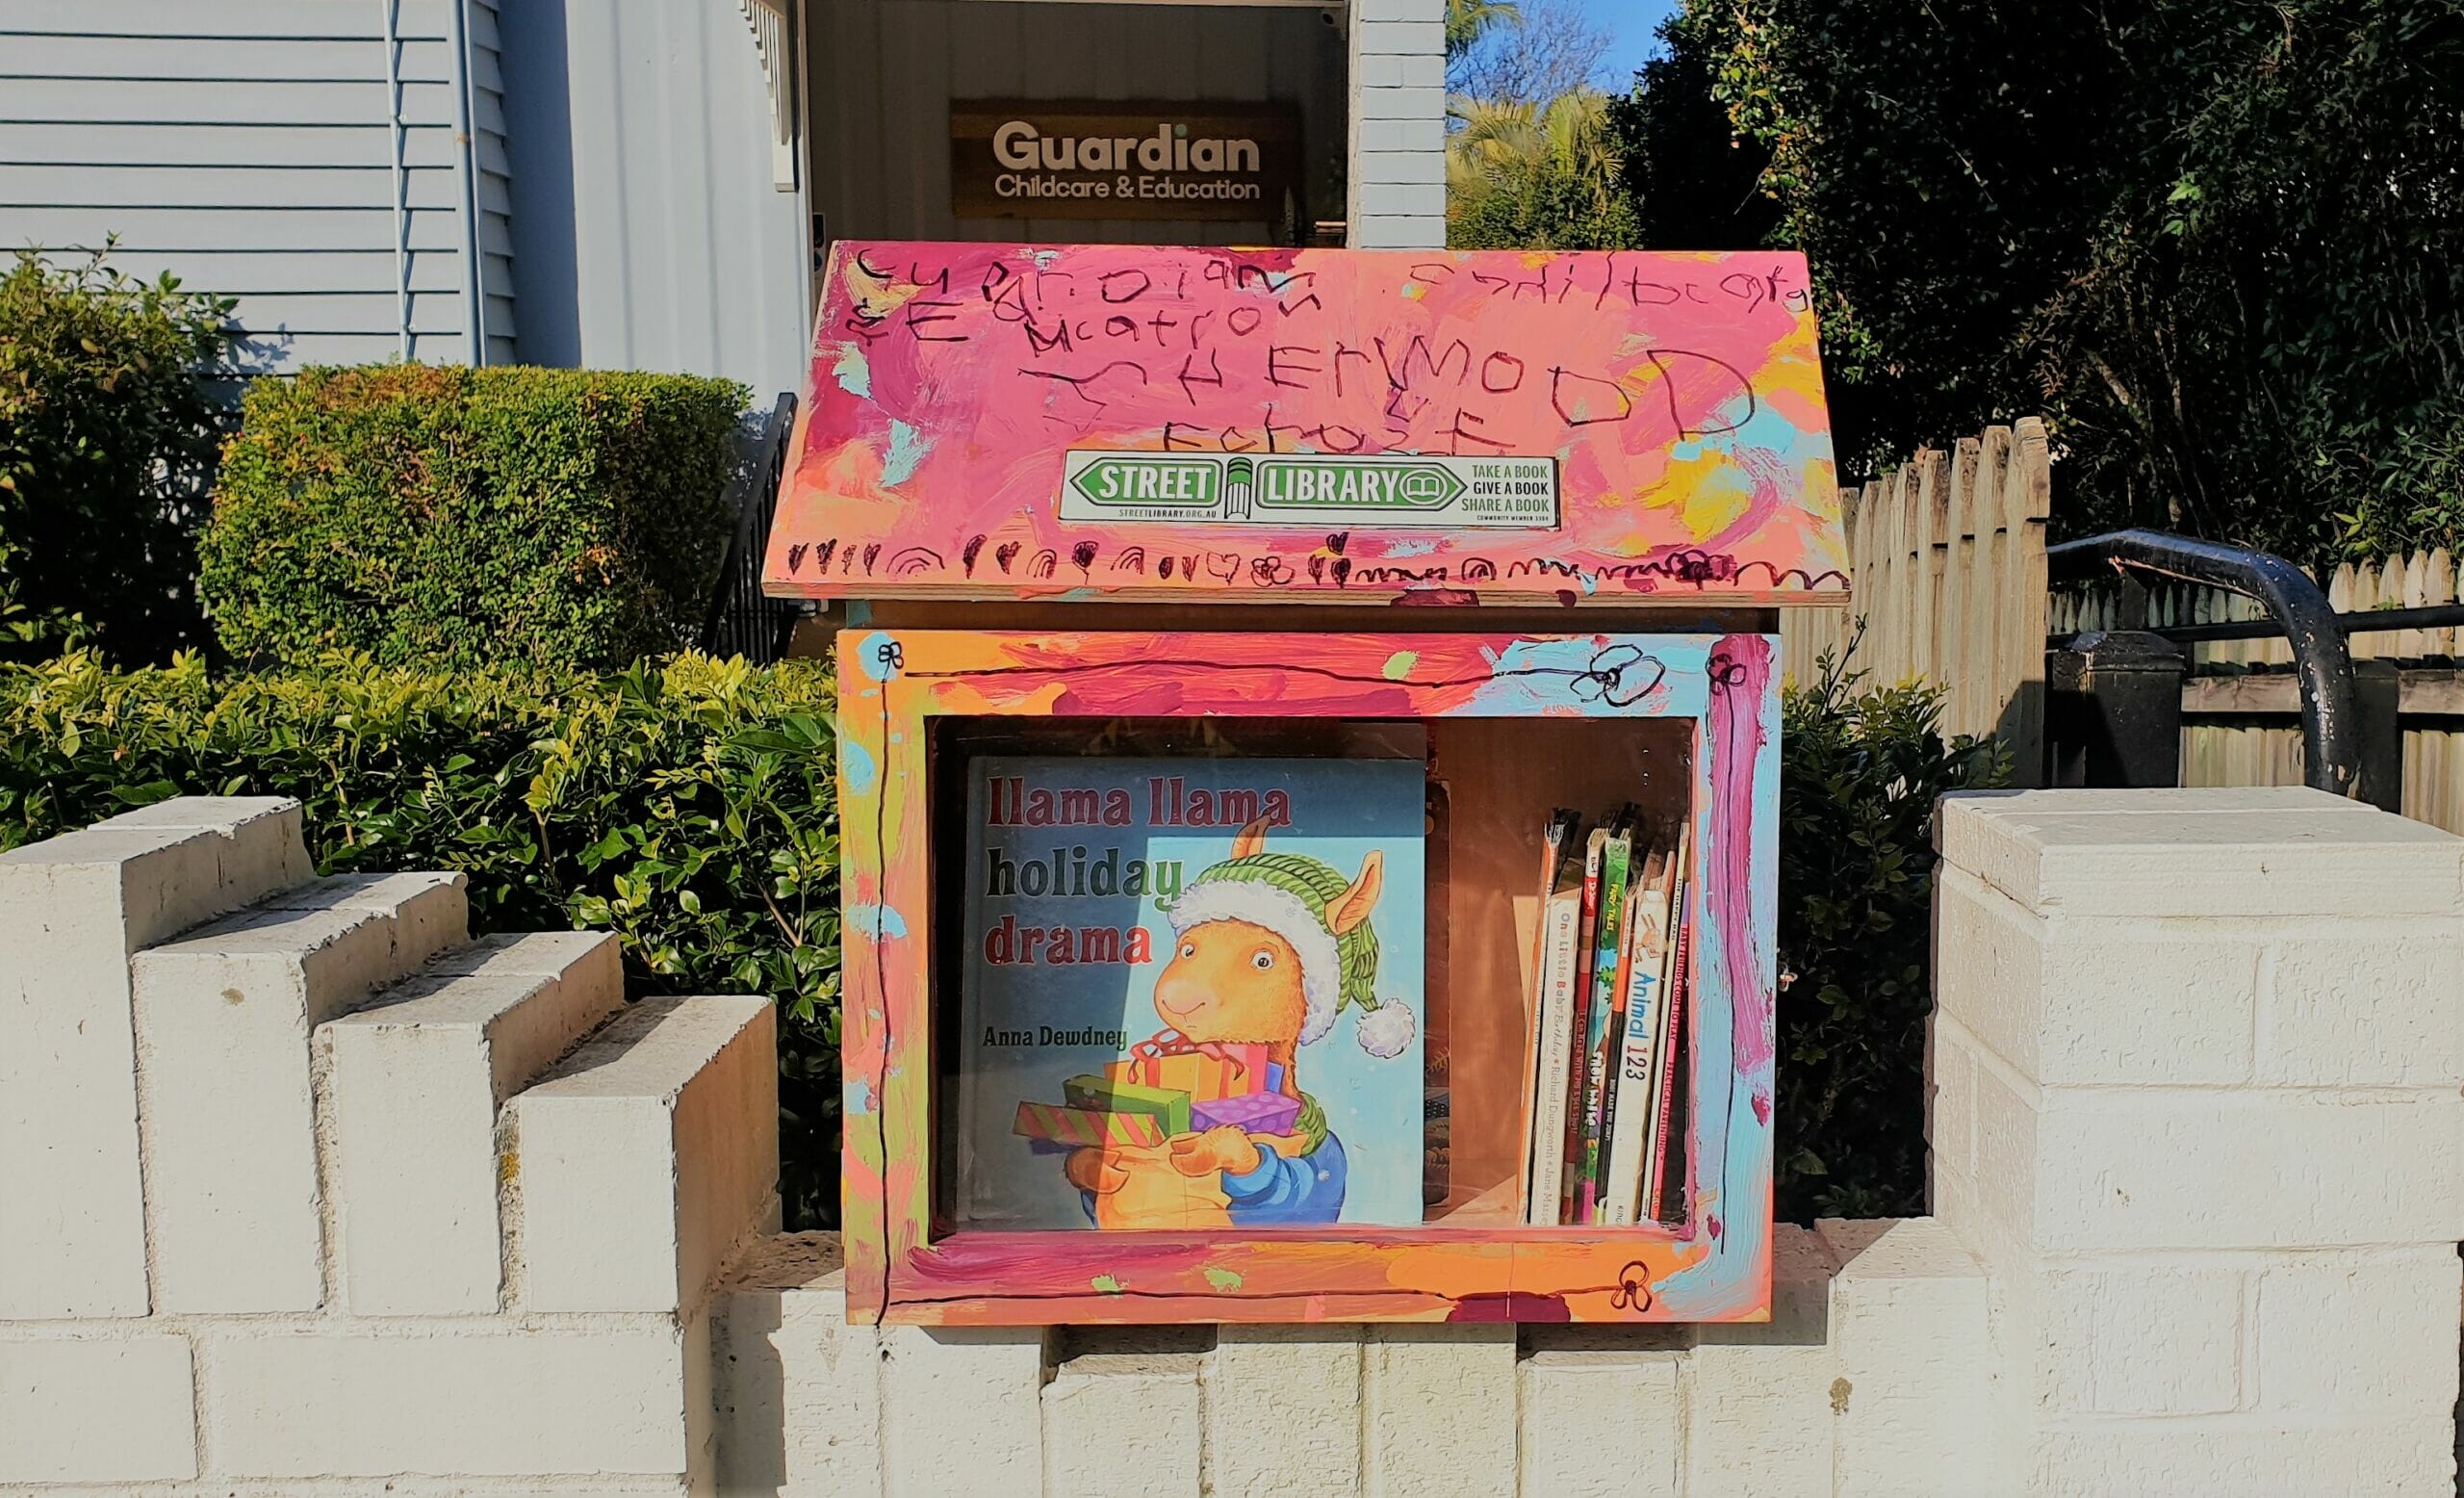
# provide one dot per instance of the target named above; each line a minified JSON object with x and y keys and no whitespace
{"x":1309,"y":490}
{"x":1147,"y":482}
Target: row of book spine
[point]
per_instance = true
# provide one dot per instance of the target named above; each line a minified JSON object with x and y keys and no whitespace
{"x":1610,"y":964}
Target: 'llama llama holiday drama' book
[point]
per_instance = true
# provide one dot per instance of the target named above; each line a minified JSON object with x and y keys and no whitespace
{"x":1192,"y":993}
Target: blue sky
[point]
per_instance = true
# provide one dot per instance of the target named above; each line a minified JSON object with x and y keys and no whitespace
{"x":1629,"y":24}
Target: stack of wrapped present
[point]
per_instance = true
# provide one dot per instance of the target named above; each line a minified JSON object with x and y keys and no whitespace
{"x":1166,"y":1086}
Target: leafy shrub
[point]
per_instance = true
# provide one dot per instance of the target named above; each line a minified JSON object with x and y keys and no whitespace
{"x":690,"y":808}
{"x":108,"y":434}
{"x":562,"y":517}
{"x":1860,"y":770}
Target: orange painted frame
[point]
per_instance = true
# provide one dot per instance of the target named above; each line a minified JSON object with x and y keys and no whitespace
{"x":1716,"y":1267}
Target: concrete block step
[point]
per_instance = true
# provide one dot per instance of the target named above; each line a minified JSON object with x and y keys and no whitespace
{"x":260,"y":842}
{"x":72,"y":909}
{"x":666,"y":1120}
{"x":414,"y":1080}
{"x":226,"y":1105}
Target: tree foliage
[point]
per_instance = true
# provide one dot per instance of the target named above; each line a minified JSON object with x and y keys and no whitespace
{"x":1467,"y":21}
{"x":109,"y":428}
{"x":2220,"y":245}
{"x":1532,"y":160}
{"x":1526,"y":52}
{"x":1527,"y":176}
{"x":1694,"y":178}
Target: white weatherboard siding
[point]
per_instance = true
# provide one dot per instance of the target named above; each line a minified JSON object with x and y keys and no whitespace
{"x":247,"y":146}
{"x":654,"y":235}
{"x":1397,"y":176}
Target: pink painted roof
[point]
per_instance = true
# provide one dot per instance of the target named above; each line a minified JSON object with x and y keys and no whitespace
{"x":1679,"y":397}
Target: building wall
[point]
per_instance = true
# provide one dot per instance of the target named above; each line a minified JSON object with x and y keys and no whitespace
{"x":630,"y":198}
{"x":247,"y":146}
{"x":883,"y":72}
{"x":652,"y":234}
{"x":1397,"y":178}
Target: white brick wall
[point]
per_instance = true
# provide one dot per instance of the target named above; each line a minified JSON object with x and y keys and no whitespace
{"x":1397,"y":163}
{"x":2396,"y":1302}
{"x":1283,"y":1411}
{"x":478,"y":1401}
{"x":116,"y":1409}
{"x":1117,"y":1423}
{"x":1907,"y":1307}
{"x":72,"y":911}
{"x":1599,"y":1416}
{"x":2166,"y":1261}
{"x":995,"y":1375}
{"x":1759,"y":1417}
{"x":1877,"y":1339}
{"x":1411,"y":1372}
{"x":2196,"y":1067}
{"x":227,"y":1119}
{"x":416,"y":1078}
{"x":233,"y":1201}
{"x":657,"y":1122}
{"x":2240,"y":1457}
{"x":799,"y":1389}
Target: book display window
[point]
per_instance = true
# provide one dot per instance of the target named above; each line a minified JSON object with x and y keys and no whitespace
{"x":1249,"y":960}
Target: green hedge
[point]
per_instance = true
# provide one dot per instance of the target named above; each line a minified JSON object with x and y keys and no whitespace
{"x":1859,"y":772}
{"x":690,"y":807}
{"x":558,"y":518}
{"x":107,"y":432}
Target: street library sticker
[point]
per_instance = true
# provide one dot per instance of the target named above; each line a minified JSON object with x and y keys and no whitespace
{"x":1310,"y":489}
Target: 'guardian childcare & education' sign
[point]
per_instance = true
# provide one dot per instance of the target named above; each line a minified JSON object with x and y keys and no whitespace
{"x":1222,"y":162}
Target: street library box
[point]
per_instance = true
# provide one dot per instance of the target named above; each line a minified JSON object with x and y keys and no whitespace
{"x":1309,"y":752}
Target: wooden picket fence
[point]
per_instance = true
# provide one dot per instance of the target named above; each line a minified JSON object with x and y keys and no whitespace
{"x":1947,"y":568}
{"x":1946,"y":559}
{"x":2239,"y":727}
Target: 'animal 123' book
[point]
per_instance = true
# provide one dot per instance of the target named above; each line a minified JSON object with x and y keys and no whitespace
{"x":1192,"y":993}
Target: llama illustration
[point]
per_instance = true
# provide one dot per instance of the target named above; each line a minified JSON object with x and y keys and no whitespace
{"x":1269,"y":948}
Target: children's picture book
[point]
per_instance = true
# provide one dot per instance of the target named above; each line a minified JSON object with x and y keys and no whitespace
{"x":1192,"y":993}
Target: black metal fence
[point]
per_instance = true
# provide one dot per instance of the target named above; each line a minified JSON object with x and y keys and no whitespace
{"x":2114,"y":697}
{"x":742,"y":621}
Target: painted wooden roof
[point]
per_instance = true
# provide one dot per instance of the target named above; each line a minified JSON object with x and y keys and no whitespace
{"x":1136,"y":423}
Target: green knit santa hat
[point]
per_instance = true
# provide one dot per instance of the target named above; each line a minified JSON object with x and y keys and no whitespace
{"x":1289,"y":894}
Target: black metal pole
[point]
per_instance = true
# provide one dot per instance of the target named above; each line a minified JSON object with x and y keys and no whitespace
{"x":2331,"y":727}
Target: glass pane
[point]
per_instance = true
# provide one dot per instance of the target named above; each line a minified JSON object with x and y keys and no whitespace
{"x":1251,"y":974}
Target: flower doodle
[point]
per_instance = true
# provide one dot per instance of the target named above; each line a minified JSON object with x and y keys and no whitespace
{"x":1620,"y":676}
